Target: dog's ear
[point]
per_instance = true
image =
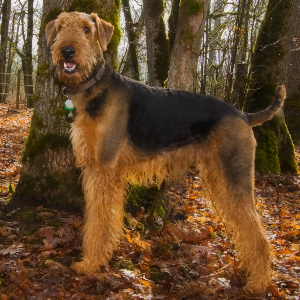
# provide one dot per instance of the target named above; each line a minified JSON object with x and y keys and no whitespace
{"x":104,"y":30}
{"x":50,"y":32}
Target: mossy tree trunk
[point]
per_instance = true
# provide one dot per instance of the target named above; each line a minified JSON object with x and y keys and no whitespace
{"x":48,"y":174}
{"x":292,"y":44}
{"x":158,"y":54}
{"x":275,"y":149}
{"x":187,"y":44}
{"x":131,"y":67}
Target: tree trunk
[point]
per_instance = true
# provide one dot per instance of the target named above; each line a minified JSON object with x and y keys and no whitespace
{"x":5,"y":16}
{"x":133,"y":67}
{"x":241,"y":74}
{"x":48,"y":174}
{"x":173,"y":22}
{"x":158,"y":54}
{"x":187,"y":44}
{"x":292,"y":103}
{"x":10,"y":58}
{"x":236,"y":40}
{"x":28,"y":80}
{"x":275,"y":150}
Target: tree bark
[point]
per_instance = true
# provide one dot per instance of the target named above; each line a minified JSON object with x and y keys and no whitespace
{"x":242,"y":66}
{"x":173,"y":22}
{"x":133,"y":64}
{"x":10,"y":58}
{"x":275,"y":150}
{"x":28,"y":80}
{"x":158,"y":55}
{"x":48,"y":175}
{"x":236,"y":40}
{"x":187,"y":44}
{"x":292,"y":48}
{"x":5,"y":16}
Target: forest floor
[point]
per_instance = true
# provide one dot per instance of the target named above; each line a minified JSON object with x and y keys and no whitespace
{"x":188,"y":256}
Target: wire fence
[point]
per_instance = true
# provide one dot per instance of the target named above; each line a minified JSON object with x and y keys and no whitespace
{"x":14,"y":90}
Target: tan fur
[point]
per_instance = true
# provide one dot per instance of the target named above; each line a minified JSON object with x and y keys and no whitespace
{"x":108,"y":161}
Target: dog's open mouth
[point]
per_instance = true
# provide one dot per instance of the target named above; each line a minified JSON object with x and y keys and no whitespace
{"x":70,"y":67}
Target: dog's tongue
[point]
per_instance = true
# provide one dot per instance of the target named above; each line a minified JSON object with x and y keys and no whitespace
{"x":70,"y":65}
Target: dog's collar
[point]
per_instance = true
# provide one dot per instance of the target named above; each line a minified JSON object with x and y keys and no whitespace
{"x":86,"y":85}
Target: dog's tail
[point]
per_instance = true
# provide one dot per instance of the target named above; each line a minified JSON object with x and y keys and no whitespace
{"x":260,"y":117}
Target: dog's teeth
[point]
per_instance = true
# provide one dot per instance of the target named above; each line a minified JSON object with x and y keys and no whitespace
{"x":69,"y":66}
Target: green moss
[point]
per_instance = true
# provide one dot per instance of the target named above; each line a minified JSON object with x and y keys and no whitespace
{"x":292,"y":116}
{"x":51,"y":188}
{"x":187,"y":37}
{"x":35,"y":98}
{"x":52,"y":15}
{"x":49,"y":16}
{"x":28,"y":215}
{"x":44,"y":71}
{"x":156,"y":7}
{"x":35,"y":145}
{"x":30,"y":231}
{"x":156,"y":274}
{"x":192,"y":6}
{"x":124,"y":264}
{"x":151,"y":198}
{"x":54,"y":222}
{"x":266,"y":158}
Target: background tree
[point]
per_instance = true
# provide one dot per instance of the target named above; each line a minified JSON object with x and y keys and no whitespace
{"x":292,"y":48}
{"x":5,"y":17}
{"x":187,"y":44}
{"x":26,"y":53}
{"x":158,"y":56}
{"x":48,"y":173}
{"x":275,"y":150}
{"x":131,"y":67}
{"x":240,"y":31}
{"x":27,"y":69}
{"x":173,"y":22}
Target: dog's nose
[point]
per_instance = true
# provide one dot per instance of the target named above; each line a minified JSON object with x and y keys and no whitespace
{"x":67,"y":52}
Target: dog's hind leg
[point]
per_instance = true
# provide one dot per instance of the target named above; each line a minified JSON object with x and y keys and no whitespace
{"x":229,"y":173}
{"x":104,"y":194}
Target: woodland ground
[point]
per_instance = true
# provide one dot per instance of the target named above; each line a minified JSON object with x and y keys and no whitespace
{"x":185,"y":256}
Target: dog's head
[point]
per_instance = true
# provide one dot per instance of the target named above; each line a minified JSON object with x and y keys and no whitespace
{"x":77,"y":41}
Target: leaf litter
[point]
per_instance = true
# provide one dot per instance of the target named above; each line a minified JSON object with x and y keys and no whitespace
{"x":188,"y":255}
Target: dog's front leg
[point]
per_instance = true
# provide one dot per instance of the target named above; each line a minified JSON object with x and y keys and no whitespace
{"x":104,"y":193}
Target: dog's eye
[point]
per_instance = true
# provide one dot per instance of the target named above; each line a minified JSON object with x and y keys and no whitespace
{"x":86,"y":30}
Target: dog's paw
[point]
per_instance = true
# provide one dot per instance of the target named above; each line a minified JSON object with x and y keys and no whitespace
{"x":84,"y":267}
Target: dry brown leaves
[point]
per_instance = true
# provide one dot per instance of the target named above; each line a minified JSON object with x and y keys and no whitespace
{"x":187,"y":256}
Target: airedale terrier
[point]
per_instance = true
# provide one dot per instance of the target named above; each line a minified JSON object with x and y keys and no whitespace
{"x":125,"y":130}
